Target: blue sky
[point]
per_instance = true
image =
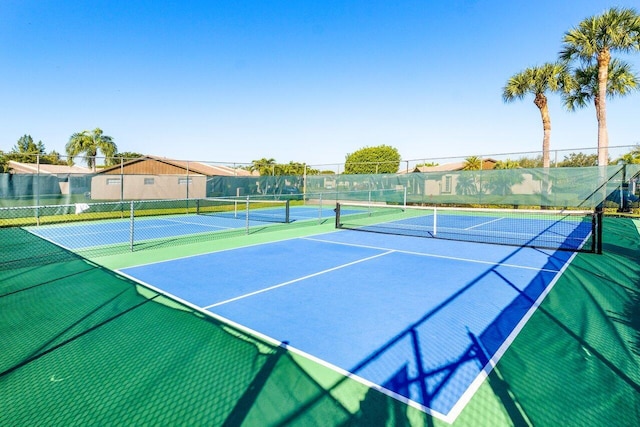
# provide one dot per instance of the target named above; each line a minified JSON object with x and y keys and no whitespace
{"x":303,"y":81}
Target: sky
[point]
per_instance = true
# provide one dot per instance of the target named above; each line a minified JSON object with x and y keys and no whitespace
{"x":303,"y":81}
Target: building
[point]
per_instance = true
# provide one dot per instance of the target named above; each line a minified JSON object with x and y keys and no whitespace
{"x":443,"y":179}
{"x":151,"y":177}
{"x":68,"y":179}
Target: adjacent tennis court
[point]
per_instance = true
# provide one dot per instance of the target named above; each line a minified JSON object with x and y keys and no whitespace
{"x":392,"y":310}
{"x":215,"y":216}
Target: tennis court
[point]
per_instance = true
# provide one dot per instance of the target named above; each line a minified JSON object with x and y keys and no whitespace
{"x":393,"y":311}
{"x":208,"y":219}
{"x":323,"y":313}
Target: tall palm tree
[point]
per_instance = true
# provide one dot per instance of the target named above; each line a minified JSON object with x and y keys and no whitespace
{"x":537,"y":81}
{"x":621,"y":82}
{"x":89,"y":142}
{"x":593,"y":40}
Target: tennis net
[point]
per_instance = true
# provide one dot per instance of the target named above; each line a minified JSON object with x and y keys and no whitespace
{"x":248,"y":209}
{"x":551,"y":229}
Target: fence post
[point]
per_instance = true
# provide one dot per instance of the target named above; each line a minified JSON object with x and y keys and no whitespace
{"x":121,"y":179}
{"x":37,"y":185}
{"x":131,"y":216}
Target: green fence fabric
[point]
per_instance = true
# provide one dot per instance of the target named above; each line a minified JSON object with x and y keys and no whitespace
{"x":577,"y":363}
{"x":584,"y":187}
{"x":82,"y":345}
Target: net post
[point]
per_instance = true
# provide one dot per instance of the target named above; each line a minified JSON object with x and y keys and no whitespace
{"x":247,"y":214}
{"x":435,"y":221}
{"x":598,"y":219}
{"x":197,"y":206}
{"x":405,"y":197}
{"x":337,"y":214}
{"x":286,"y":215}
{"x":320,"y":210}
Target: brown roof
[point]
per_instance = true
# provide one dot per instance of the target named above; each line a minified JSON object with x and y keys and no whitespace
{"x":18,"y":167}
{"x":457,"y":166}
{"x":162,"y":165}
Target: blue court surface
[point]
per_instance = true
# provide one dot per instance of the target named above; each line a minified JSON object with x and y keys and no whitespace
{"x":86,"y":234}
{"x":423,"y":320}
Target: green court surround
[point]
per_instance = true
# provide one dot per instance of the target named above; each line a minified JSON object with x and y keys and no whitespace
{"x":82,"y":345}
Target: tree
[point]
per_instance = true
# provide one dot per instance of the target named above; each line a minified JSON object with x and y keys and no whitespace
{"x":263,"y":166}
{"x":473,"y":163}
{"x":52,"y":158}
{"x":593,"y":41}
{"x":530,"y":163}
{"x":507,"y":164}
{"x":501,"y":181}
{"x":379,"y":159}
{"x":632,"y":157}
{"x":579,"y":160}
{"x":125,"y":156}
{"x":295,"y":168}
{"x":4,"y":162}
{"x":537,"y":81}
{"x":89,"y":143}
{"x":621,"y":82}
{"x":466,"y":184}
{"x":26,"y":150}
{"x":427,"y":164}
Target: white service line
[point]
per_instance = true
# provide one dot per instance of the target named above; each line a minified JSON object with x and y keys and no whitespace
{"x":270,"y":288}
{"x":483,"y":223}
{"x":475,"y":261}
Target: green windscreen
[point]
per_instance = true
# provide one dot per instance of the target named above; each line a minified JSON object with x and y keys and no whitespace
{"x":559,"y":187}
{"x":82,"y":345}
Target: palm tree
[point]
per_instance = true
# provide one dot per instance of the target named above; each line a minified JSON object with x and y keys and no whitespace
{"x":264,"y":166}
{"x":473,"y":163}
{"x":621,"y":81}
{"x":507,"y":164}
{"x":504,"y":177}
{"x":89,"y":142}
{"x":466,"y":184}
{"x":537,"y":81}
{"x":632,"y":157}
{"x":467,"y":181}
{"x":593,"y":40}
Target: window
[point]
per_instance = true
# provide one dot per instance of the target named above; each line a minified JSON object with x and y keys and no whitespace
{"x":148,"y":181}
{"x":113,"y":181}
{"x":447,"y":184}
{"x":183,"y":181}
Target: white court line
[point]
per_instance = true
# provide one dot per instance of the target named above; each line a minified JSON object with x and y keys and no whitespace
{"x":270,"y":288}
{"x":141,"y":226}
{"x":523,"y":267}
{"x":465,"y":398}
{"x":187,"y":223}
{"x":484,"y":223}
{"x":272,"y":341}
